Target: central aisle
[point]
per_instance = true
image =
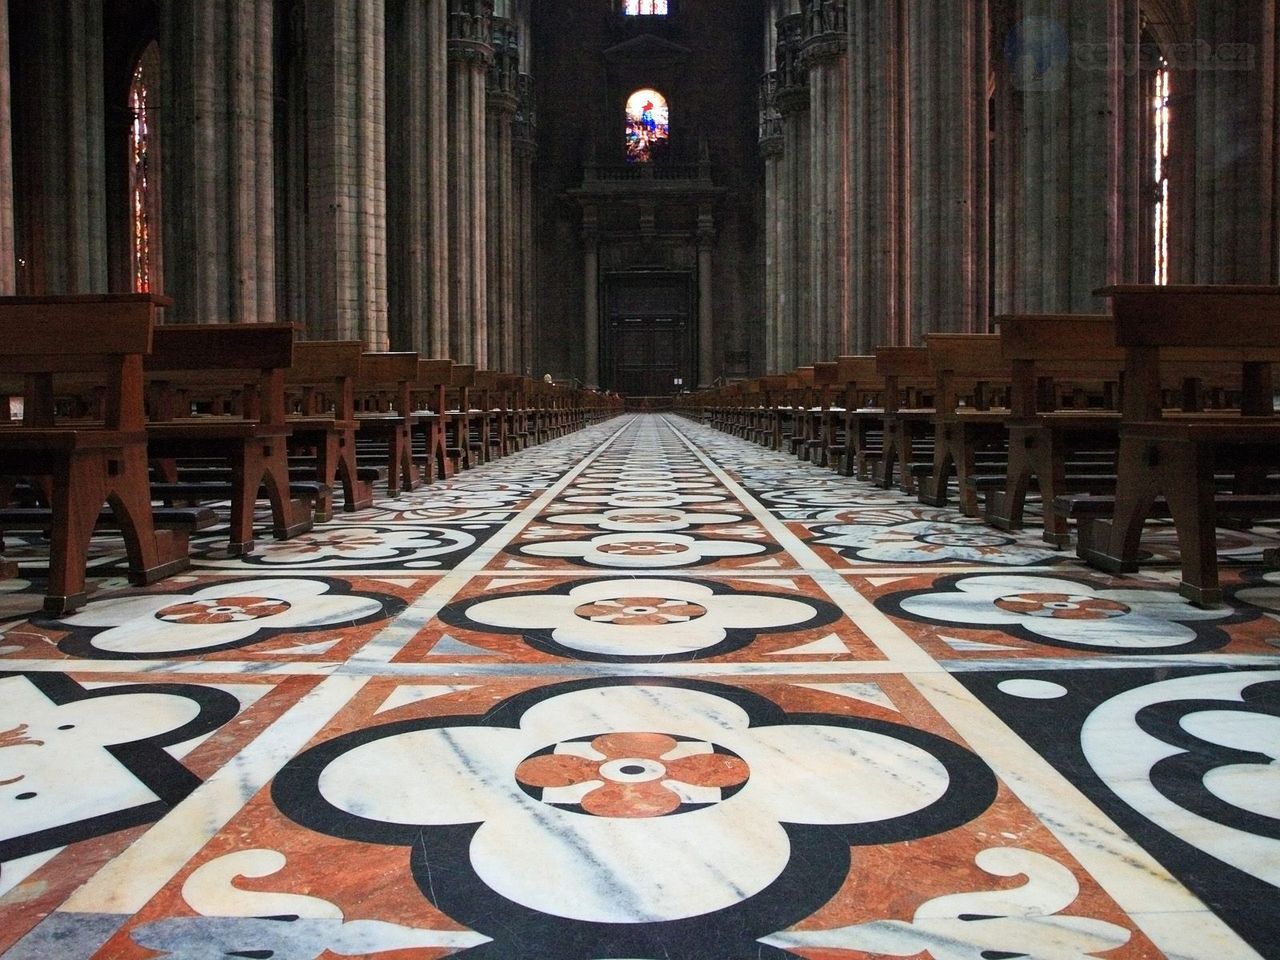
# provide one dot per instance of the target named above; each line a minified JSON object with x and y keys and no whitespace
{"x":645,"y":692}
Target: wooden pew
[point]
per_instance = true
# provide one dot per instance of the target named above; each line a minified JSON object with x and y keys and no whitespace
{"x":800,"y":401}
{"x":429,"y":406}
{"x":822,"y":415}
{"x":248,"y":361}
{"x":86,"y":464}
{"x":324,"y":374}
{"x":863,"y":405}
{"x":904,"y":422}
{"x":492,"y":400}
{"x":968,"y":373}
{"x":1049,"y":356}
{"x":1175,"y":458}
{"x":464,"y":439}
{"x":510,"y":398}
{"x":386,"y":416}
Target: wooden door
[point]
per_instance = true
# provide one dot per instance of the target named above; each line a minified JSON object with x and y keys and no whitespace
{"x":648,"y":341}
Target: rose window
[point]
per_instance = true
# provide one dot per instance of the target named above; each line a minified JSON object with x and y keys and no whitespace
{"x":632,"y":775}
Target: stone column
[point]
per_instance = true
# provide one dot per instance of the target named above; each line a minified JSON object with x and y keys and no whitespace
{"x":1065,"y":62}
{"x":218,"y":194}
{"x":590,"y":299}
{"x":417,"y":169}
{"x":59,"y":180}
{"x":8,"y":253}
{"x":771,"y":141}
{"x":795,"y":345}
{"x":1236,"y":163}
{"x":949,"y":172}
{"x":706,"y":306}
{"x":503,"y":216}
{"x":823,"y":55}
{"x":880,"y":145}
{"x":346,"y":166}
{"x":470,"y":51}
{"x":525,"y":132}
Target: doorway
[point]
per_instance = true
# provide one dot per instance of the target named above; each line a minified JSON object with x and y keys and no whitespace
{"x":648,"y":343}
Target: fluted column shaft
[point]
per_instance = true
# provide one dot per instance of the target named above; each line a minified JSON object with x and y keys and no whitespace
{"x":503,"y":215}
{"x":798,"y":270}
{"x":949,"y":173}
{"x":880,"y":147}
{"x":8,"y":253}
{"x":824,"y":54}
{"x":772,"y":266}
{"x":526,"y":287}
{"x":470,"y":50}
{"x":58,"y":180}
{"x":795,"y":320}
{"x":346,"y":210}
{"x":1236,"y":163}
{"x":218,"y":195}
{"x":417,"y":173}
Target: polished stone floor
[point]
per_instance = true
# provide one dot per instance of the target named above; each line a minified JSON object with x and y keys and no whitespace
{"x":646,"y":692}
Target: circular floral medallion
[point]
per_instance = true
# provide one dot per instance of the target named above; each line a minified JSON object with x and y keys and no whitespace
{"x":967,"y":538}
{"x":633,"y":611}
{"x":218,"y":616}
{"x":638,"y":619}
{"x":223,"y":610}
{"x":646,"y":818}
{"x":1063,"y":606}
{"x":632,"y":775}
{"x":1068,"y":613}
{"x":633,"y":548}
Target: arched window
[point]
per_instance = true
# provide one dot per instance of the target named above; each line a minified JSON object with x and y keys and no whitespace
{"x":648,"y":125}
{"x":1160,"y":116}
{"x":645,"y":8}
{"x":144,"y":172}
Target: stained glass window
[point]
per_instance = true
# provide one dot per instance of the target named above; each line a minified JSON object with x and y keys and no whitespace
{"x":1160,"y":116}
{"x":645,"y":8}
{"x":648,"y":125}
{"x":143,"y":193}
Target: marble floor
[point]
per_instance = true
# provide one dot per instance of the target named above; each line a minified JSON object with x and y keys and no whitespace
{"x":646,"y":692}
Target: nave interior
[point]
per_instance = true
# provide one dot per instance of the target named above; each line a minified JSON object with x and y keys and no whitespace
{"x":646,"y":690}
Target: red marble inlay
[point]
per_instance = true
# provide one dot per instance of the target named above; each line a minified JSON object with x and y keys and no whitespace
{"x":644,"y":548}
{"x":633,"y":775}
{"x":223,"y":610}
{"x":1061,"y":606}
{"x":640,"y":611}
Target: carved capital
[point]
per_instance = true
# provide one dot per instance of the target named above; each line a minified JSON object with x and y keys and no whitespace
{"x":471,"y":31}
{"x":476,"y":54}
{"x":823,"y":17}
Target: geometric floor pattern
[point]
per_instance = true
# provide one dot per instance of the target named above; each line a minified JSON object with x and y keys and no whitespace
{"x":646,"y":692}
